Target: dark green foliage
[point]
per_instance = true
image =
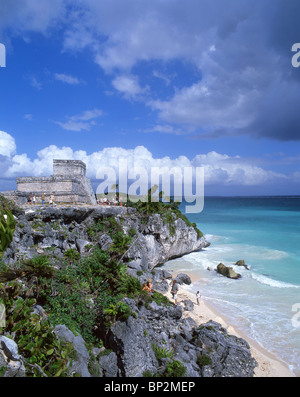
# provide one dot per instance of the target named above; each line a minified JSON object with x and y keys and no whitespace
{"x":10,"y":205}
{"x":169,"y":211}
{"x":174,"y":368}
{"x":108,"y":225}
{"x":121,"y":243}
{"x":162,"y":352}
{"x":72,"y":254}
{"x":44,"y":354}
{"x":203,"y":360}
{"x":7,"y":228}
{"x":39,"y":266}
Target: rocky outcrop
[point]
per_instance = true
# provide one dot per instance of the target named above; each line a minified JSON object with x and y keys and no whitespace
{"x":131,"y":347}
{"x":59,"y":229}
{"x":205,"y":351}
{"x":227,"y":271}
{"x":81,"y":358}
{"x":11,"y":362}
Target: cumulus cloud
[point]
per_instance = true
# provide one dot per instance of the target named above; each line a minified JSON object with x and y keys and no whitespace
{"x":219,"y":169}
{"x":7,"y":144}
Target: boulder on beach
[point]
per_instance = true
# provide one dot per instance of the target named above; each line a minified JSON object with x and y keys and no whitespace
{"x":227,"y":271}
{"x":183,"y":278}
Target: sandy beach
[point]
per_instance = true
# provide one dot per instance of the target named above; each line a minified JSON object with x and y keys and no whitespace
{"x":268,"y":365}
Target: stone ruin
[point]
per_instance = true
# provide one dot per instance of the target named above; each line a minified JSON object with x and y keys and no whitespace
{"x":68,"y":183}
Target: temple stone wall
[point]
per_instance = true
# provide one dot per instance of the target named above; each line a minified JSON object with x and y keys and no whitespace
{"x":69,"y":167}
{"x":68,"y":183}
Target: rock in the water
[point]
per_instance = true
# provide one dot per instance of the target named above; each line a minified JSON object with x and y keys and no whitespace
{"x":227,"y":271}
{"x":241,"y":262}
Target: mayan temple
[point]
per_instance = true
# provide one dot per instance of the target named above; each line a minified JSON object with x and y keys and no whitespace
{"x":68,"y":183}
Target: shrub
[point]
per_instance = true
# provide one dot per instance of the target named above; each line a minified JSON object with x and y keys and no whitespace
{"x":39,"y":266}
{"x":7,"y":228}
{"x":203,"y":360}
{"x":43,"y":353}
{"x":174,"y":369}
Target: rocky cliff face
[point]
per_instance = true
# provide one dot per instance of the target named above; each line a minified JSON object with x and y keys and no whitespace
{"x":155,"y":339}
{"x":39,"y":230}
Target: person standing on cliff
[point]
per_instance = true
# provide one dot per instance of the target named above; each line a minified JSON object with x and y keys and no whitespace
{"x":51,"y":200}
{"x":174,"y":291}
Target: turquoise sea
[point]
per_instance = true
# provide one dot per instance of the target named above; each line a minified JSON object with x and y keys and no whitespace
{"x":265,"y":302}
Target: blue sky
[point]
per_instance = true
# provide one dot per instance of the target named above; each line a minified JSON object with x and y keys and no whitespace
{"x":160,"y":83}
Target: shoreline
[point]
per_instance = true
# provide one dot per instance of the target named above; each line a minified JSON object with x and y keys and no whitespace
{"x":267,"y":364}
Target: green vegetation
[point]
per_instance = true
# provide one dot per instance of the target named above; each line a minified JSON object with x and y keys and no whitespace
{"x":86,"y":293}
{"x":203,"y":360}
{"x":43,"y":353}
{"x":174,"y":368}
{"x":169,"y":211}
{"x":108,"y":225}
{"x":7,"y":228}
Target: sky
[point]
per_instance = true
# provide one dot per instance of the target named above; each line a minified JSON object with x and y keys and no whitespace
{"x":160,"y":83}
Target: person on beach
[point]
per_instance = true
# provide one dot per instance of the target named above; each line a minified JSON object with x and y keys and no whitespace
{"x":198,"y":296}
{"x":29,"y":201}
{"x":43,"y":198}
{"x":34,"y":199}
{"x":174,"y":291}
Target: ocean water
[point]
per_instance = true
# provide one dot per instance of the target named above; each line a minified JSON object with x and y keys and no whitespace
{"x":265,"y":302}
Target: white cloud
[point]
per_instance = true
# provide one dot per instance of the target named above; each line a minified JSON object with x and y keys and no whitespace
{"x":219,"y":169}
{"x":7,"y":144}
{"x":83,"y":121}
{"x":67,"y":79}
{"x":128,"y":85}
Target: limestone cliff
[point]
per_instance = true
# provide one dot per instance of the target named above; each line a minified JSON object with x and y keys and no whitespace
{"x":141,"y":334}
{"x":62,"y":228}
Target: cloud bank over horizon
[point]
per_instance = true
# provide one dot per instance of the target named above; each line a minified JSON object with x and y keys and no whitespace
{"x":219,"y":169}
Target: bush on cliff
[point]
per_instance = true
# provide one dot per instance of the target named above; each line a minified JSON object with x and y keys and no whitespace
{"x":153,"y":205}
